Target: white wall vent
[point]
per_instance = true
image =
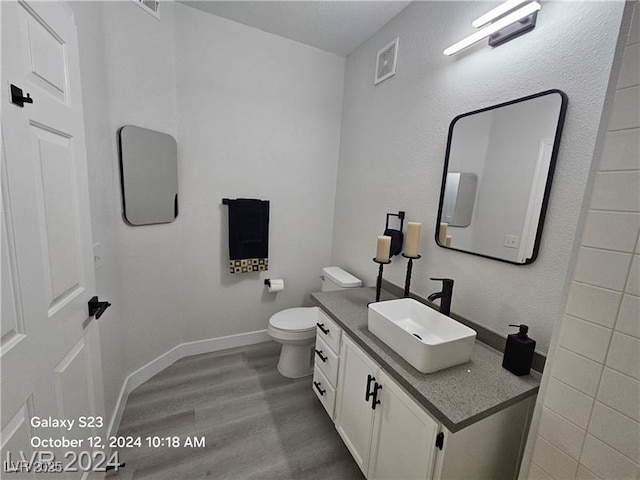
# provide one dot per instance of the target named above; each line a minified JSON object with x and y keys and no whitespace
{"x":386,"y":62}
{"x":150,"y":6}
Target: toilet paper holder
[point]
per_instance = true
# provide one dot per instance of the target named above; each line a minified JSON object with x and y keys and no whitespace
{"x":277,"y":288}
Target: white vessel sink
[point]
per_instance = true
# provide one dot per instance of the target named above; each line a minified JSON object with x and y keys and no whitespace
{"x":427,"y":339}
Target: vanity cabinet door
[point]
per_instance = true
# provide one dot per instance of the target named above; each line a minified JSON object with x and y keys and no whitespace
{"x":404,"y":435}
{"x":354,"y":414}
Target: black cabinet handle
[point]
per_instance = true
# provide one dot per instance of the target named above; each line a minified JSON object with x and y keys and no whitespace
{"x":322,"y":357}
{"x":321,"y":327}
{"x":320,"y":390}
{"x":374,"y":400}
{"x":368,"y":393}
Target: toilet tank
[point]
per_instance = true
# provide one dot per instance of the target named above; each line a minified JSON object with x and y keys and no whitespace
{"x":335,"y":278}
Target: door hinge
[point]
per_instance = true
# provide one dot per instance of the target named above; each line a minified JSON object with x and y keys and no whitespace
{"x":440,"y":440}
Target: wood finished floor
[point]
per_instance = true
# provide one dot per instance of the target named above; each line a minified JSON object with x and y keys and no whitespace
{"x":256,"y":423}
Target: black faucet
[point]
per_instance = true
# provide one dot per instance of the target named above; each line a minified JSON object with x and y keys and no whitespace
{"x":444,"y":296}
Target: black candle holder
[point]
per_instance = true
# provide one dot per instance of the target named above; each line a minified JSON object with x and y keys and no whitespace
{"x":407,"y":281}
{"x":379,"y":281}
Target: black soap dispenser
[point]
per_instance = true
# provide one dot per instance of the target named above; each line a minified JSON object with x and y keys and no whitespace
{"x":518,"y":354}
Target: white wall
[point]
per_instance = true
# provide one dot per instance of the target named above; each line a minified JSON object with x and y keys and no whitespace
{"x":103,"y":190}
{"x":140,"y":85}
{"x":254,"y":115}
{"x":258,"y":117}
{"x":588,"y":416}
{"x":394,"y":138}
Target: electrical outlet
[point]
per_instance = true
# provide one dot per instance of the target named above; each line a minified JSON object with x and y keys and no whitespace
{"x":97,"y":255}
{"x":511,"y":241}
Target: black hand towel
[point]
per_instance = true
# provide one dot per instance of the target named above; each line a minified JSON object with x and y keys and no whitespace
{"x":397,"y":238}
{"x":248,"y":235}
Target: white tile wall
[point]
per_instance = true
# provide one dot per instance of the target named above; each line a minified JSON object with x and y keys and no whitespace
{"x":537,"y":473}
{"x":553,"y":461}
{"x":621,"y":150}
{"x":595,"y":304}
{"x":606,"y":462}
{"x":603,"y":268}
{"x":569,"y":403}
{"x":633,"y":283}
{"x":589,"y":426}
{"x":584,"y":474}
{"x":616,"y":430}
{"x":577,"y":371}
{"x":634,"y":31}
{"x":630,"y":72}
{"x":617,"y":191}
{"x":585,"y":338}
{"x":560,"y":432}
{"x":624,"y":355}
{"x":628,"y":317}
{"x":620,"y":392}
{"x":611,"y":230}
{"x":626,"y":109}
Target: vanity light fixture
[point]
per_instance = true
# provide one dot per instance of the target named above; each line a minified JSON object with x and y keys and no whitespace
{"x":497,"y":12}
{"x":525,"y":15}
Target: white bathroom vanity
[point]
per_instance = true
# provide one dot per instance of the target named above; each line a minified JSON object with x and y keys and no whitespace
{"x":467,"y":421}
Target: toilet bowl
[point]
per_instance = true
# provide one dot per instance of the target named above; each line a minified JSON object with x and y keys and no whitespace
{"x":295,"y":328}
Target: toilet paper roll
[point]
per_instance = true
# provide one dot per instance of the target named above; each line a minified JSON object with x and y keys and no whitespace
{"x":276,"y":285}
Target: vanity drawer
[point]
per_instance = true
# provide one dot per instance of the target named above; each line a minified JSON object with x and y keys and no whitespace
{"x":324,"y":391}
{"x":326,"y":360}
{"x":328,"y":331}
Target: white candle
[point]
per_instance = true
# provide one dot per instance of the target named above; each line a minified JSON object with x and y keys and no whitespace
{"x":384,"y":245}
{"x":412,"y":244}
{"x":442,"y":233}
{"x":448,"y":241}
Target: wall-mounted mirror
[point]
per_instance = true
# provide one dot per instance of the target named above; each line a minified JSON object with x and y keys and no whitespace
{"x":149,"y":175}
{"x":497,"y":177}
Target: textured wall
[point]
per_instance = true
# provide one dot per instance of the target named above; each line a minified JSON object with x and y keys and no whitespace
{"x":140,"y":85}
{"x":394,"y":139}
{"x":589,"y":410}
{"x":258,"y":117}
{"x":103,"y":183}
{"x":254,"y":115}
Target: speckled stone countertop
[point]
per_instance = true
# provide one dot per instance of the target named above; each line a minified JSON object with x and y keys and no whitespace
{"x":458,"y":396}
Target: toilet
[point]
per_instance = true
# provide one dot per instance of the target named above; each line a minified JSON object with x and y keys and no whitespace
{"x":295,"y":328}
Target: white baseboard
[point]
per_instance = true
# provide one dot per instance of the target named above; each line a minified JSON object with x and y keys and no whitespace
{"x":155,"y":366}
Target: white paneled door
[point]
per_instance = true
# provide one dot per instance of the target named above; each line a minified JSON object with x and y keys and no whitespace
{"x":51,"y":380}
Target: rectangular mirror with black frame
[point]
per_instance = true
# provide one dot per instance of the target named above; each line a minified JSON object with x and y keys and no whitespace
{"x":497,"y":177}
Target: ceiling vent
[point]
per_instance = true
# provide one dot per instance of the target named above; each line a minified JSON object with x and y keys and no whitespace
{"x":386,"y":62}
{"x":150,"y":6}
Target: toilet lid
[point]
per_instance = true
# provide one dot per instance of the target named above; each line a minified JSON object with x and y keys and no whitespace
{"x":295,"y":319}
